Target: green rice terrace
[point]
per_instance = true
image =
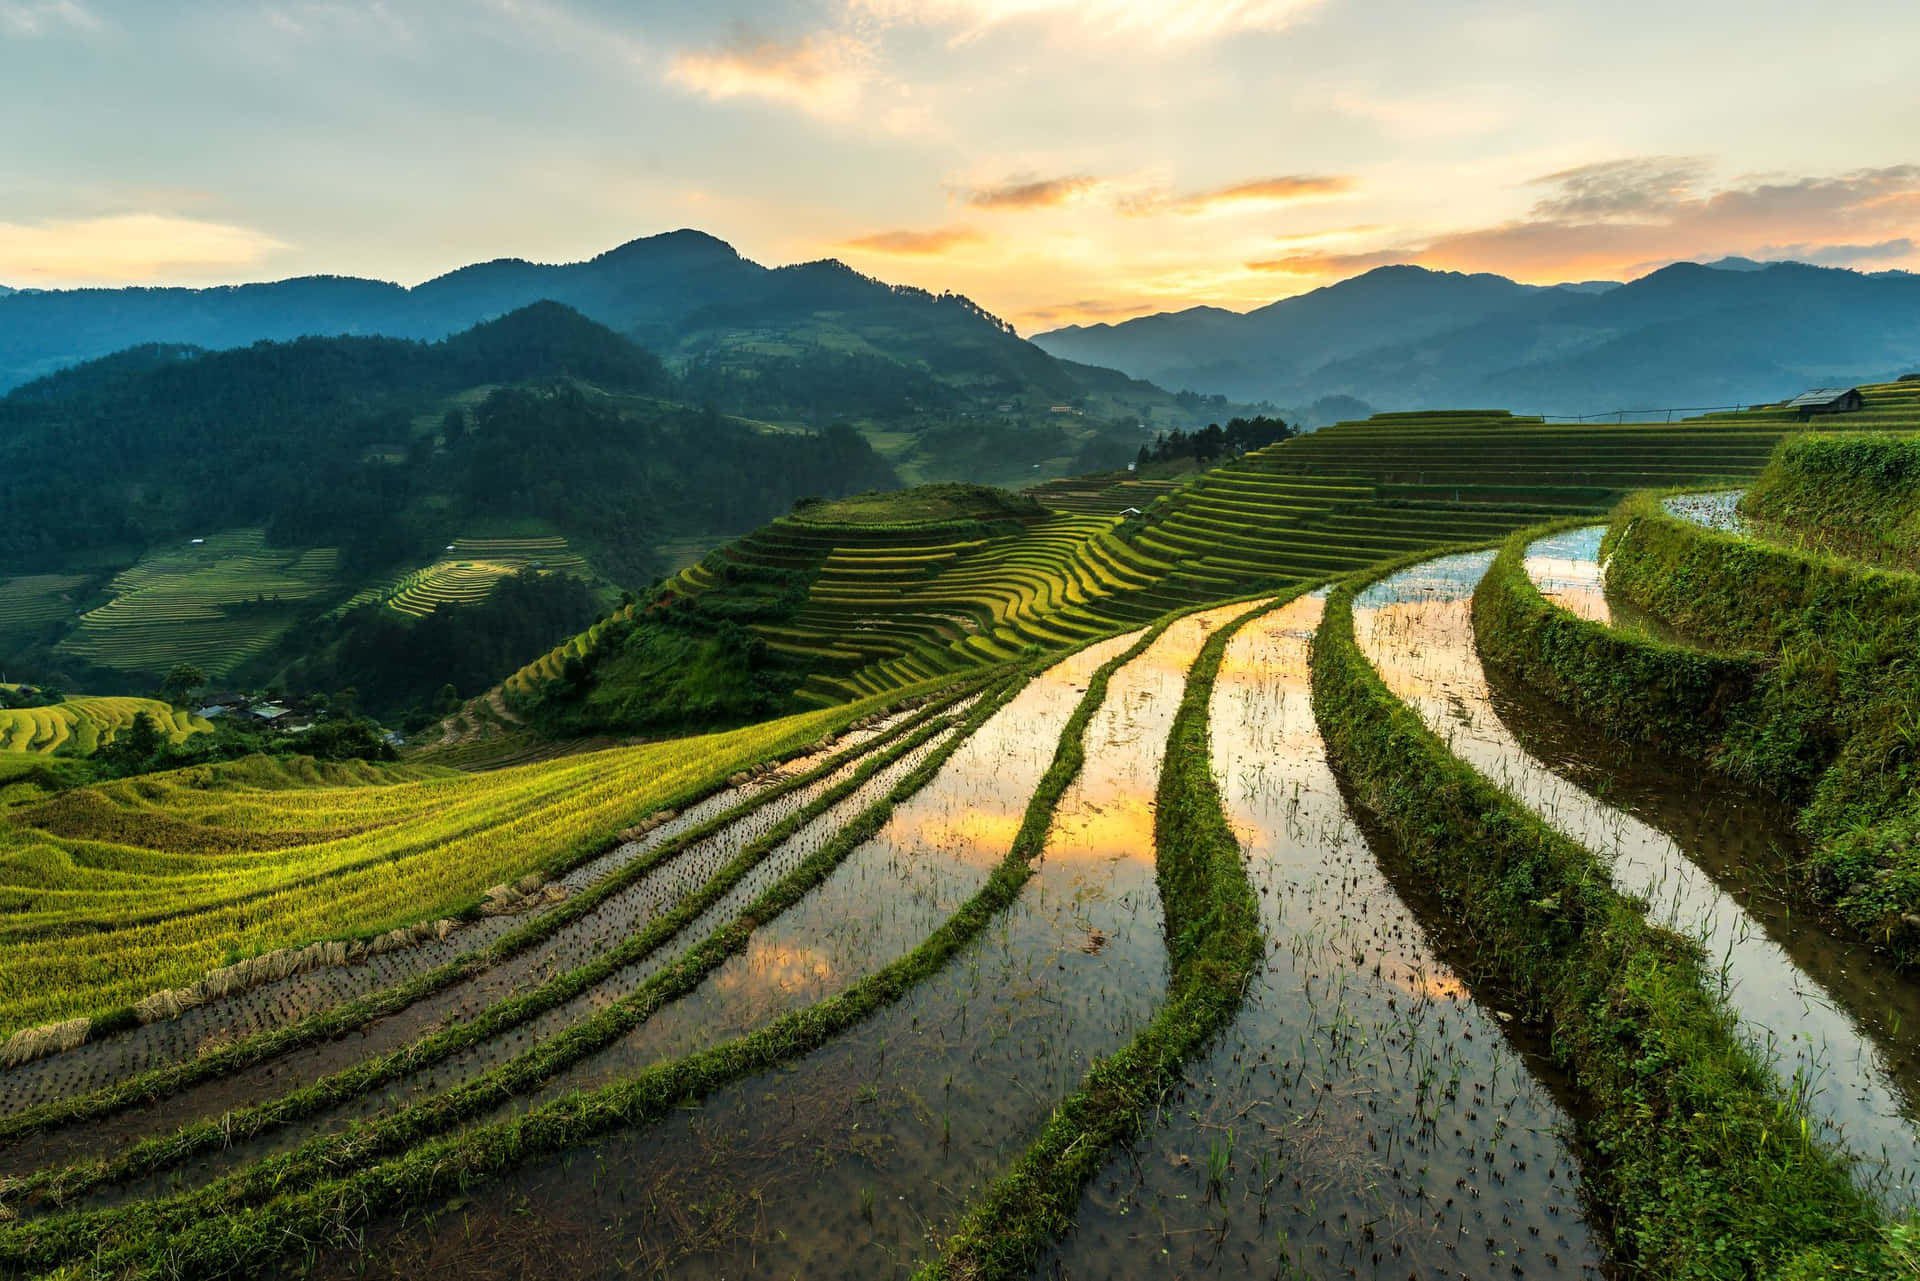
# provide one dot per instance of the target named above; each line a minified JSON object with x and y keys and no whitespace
{"x":1439,"y":845}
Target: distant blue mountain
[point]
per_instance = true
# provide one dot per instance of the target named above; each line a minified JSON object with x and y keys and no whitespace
{"x":1404,"y":337}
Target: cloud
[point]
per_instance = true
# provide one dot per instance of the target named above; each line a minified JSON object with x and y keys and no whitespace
{"x":1633,"y":188}
{"x":1038,"y":194}
{"x":1620,"y":219}
{"x":824,"y":73}
{"x":1159,"y":20}
{"x":1895,"y":250}
{"x":1330,"y":264}
{"x":1286,"y":189}
{"x":914,"y":244}
{"x":45,"y":17}
{"x":126,"y":247}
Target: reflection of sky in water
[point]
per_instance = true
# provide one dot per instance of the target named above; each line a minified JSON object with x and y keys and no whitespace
{"x":1365,"y":1101}
{"x":1566,"y":569}
{"x":916,"y":1108}
{"x":1416,"y":627}
{"x":1108,"y":811}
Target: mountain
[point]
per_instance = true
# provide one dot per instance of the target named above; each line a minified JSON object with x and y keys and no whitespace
{"x":947,"y":390}
{"x":1405,"y":337}
{"x":231,"y":508}
{"x":681,"y":294}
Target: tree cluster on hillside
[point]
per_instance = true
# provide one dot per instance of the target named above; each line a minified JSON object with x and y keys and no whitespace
{"x":1213,"y":442}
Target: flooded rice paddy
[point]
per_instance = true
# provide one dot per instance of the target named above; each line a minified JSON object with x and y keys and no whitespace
{"x":289,"y":1000}
{"x":495,"y":1051}
{"x":854,"y":1159}
{"x":615,"y":918}
{"x":1363,"y":1116}
{"x":1417,"y":629}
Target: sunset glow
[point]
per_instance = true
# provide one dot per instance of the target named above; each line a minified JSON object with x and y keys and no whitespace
{"x":1060,"y":161}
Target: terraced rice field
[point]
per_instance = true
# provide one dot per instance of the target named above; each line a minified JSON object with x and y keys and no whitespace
{"x":467,"y":573}
{"x":32,"y":600}
{"x":892,"y":605}
{"x":1417,"y":628}
{"x":859,"y":1015}
{"x":81,"y":726}
{"x":213,"y":603}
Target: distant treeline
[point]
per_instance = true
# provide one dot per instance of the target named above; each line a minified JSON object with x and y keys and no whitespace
{"x":1213,"y":442}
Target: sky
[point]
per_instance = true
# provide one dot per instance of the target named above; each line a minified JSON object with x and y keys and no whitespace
{"x":1059,"y":161}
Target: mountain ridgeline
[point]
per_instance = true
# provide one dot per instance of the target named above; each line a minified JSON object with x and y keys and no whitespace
{"x":1405,"y":337}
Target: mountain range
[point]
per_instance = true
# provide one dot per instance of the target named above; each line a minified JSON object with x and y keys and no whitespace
{"x":683,"y":294}
{"x":1405,"y":337}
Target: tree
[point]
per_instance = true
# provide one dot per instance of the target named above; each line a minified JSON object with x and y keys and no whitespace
{"x":448,"y":700}
{"x":133,"y":747}
{"x":181,"y":684}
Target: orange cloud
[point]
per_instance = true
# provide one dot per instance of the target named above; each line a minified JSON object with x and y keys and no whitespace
{"x":1039,"y":194}
{"x":915,"y":244}
{"x":127,"y":247}
{"x":1285,"y":189}
{"x":1329,"y":264}
{"x":1623,"y":218}
{"x":823,"y":74}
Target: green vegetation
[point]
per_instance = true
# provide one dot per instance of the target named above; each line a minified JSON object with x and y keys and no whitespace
{"x":1697,"y":1162}
{"x":77,"y":1233}
{"x":1700,"y":1165}
{"x":1831,"y":725}
{"x":1634,"y":687}
{"x":309,"y":468}
{"x":114,"y":891}
{"x":1853,"y":495}
{"x":214,"y":601}
{"x":312,"y":1202}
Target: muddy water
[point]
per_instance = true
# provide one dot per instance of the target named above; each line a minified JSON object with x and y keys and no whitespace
{"x":280,"y":1004}
{"x":609,"y":923}
{"x":852,"y":1160}
{"x":1416,"y":626}
{"x":1364,"y":1116}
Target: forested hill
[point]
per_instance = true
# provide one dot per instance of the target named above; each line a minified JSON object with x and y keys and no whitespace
{"x":386,"y":448}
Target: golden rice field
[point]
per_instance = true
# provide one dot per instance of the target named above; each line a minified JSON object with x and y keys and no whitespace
{"x":82,"y":726}
{"x":112,"y":892}
{"x":467,"y":573}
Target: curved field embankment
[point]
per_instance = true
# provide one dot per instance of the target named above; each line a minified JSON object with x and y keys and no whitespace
{"x":1698,"y":1158}
{"x":1833,"y":725}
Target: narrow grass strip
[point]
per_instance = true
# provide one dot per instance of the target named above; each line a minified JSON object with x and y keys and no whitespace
{"x":1631,"y":687}
{"x":44,"y":1241}
{"x":244,"y":1124}
{"x":1700,"y":1167}
{"x":159,"y":1083}
{"x":329,"y":1212}
{"x":1215,"y":943}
